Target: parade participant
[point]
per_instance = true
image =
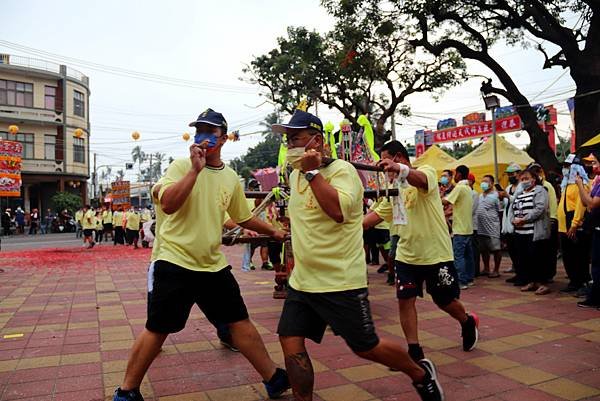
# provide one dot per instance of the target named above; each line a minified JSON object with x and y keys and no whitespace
{"x":88,"y":224}
{"x":328,"y":285}
{"x":99,"y":227}
{"x":488,"y":211}
{"x":190,"y":268}
{"x":513,"y":171}
{"x":34,"y":221}
{"x":117,"y":222}
{"x":79,"y":222}
{"x":107,"y":223}
{"x":132,"y":227}
{"x":6,"y":221}
{"x":247,"y":265}
{"x":530,"y":217}
{"x":592,"y":201}
{"x":424,"y":251}
{"x":461,"y":199}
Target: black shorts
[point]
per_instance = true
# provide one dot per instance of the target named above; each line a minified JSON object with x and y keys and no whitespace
{"x":108,"y":227}
{"x":441,"y":281}
{"x":173,"y":290}
{"x":132,"y":235}
{"x":88,"y":232}
{"x":348,"y":313}
{"x":381,"y":236}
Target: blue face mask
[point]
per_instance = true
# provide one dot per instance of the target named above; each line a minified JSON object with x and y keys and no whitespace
{"x":203,"y":136}
{"x":444,"y":180}
{"x":485,"y":186}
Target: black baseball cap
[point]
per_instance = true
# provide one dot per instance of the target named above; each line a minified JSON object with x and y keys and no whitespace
{"x":300,"y":120}
{"x":211,"y":117}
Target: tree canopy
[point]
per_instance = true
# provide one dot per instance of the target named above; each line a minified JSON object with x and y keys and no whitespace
{"x":356,"y":68}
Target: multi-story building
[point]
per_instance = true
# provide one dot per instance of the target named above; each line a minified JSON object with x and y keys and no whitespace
{"x":50,"y":105}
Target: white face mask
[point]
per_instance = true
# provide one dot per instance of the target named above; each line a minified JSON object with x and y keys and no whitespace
{"x":294,"y":155}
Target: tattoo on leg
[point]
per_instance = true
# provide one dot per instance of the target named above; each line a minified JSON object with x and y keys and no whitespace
{"x":301,"y":375}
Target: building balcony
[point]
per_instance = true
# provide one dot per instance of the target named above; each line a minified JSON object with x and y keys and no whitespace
{"x":30,"y":114}
{"x":43,"y":66}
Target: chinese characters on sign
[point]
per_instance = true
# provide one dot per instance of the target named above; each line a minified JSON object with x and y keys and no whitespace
{"x":484,"y":128}
{"x":121,"y":194}
{"x":10,"y":168}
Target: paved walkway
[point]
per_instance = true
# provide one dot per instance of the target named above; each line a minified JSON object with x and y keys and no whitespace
{"x":69,"y":316}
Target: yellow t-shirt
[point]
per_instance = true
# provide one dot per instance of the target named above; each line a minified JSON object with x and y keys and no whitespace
{"x":384,"y":225}
{"x":99,"y":225}
{"x":328,"y":256}
{"x":461,"y":198}
{"x":133,"y":220}
{"x":191,"y":237}
{"x":385,"y":210}
{"x":146,"y":216}
{"x":552,"y":201}
{"x":424,"y":240}
{"x":79,"y":216}
{"x":89,"y":220}
{"x":574,"y":204}
{"x":117,"y":219}
{"x":107,"y":217}
{"x":160,"y":216}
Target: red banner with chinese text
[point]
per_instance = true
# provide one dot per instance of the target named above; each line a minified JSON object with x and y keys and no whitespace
{"x":503,"y":125}
{"x":10,"y":168}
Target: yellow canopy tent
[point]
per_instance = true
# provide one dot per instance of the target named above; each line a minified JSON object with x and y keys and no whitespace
{"x":434,"y":157}
{"x":585,"y":149}
{"x":481,"y":160}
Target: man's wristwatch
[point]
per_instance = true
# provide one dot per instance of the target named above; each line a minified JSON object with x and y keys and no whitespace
{"x":310,"y":175}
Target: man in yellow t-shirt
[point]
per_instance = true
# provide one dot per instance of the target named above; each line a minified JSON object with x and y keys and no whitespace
{"x":78,"y":222}
{"x":107,"y":223}
{"x":328,"y":285}
{"x":117,"y":222}
{"x":190,"y":267}
{"x":88,"y":223}
{"x":461,"y":199}
{"x":424,"y":252}
{"x":132,"y":227}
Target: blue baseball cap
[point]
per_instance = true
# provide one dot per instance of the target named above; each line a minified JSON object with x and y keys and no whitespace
{"x":300,"y":120}
{"x":211,"y":117}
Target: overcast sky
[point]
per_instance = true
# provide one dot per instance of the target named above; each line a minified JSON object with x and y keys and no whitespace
{"x":210,"y":42}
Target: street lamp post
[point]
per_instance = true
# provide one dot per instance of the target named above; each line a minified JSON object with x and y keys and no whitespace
{"x":492,"y":103}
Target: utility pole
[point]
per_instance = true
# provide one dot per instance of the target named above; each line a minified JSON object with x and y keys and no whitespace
{"x":94,"y":178}
{"x":394,"y":126}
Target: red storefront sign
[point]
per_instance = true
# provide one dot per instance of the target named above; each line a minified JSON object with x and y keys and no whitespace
{"x":503,"y":125}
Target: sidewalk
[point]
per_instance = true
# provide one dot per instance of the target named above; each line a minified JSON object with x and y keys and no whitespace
{"x":69,"y":316}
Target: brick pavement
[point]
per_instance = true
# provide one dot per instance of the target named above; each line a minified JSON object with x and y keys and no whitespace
{"x":69,"y":316}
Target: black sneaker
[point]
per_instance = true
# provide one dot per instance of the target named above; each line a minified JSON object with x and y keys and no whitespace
{"x":470,"y":332}
{"x":383,"y":268}
{"x":391,"y":280}
{"x":582,"y":292}
{"x":278,"y":384}
{"x":430,"y":388}
{"x":588,"y":304}
{"x":131,"y":395}
{"x":266,"y":266}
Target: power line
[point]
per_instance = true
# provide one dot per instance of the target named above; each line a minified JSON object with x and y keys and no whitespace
{"x":144,"y":76}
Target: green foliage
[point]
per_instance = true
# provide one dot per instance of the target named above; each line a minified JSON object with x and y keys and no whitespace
{"x":459,"y":149}
{"x":264,"y":154}
{"x":361,"y":66}
{"x":66,"y":200}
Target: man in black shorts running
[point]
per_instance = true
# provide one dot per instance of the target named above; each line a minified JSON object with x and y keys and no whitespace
{"x":328,"y":285}
{"x":424,"y":252}
{"x":190,"y":268}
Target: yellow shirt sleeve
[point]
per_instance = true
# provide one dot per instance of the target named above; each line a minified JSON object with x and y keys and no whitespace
{"x":454,"y":196}
{"x":349,"y":188}
{"x":238,"y":209}
{"x":174,"y":173}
